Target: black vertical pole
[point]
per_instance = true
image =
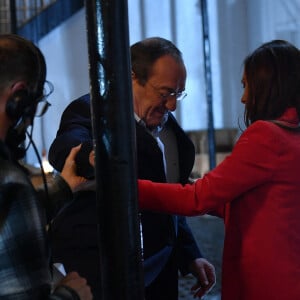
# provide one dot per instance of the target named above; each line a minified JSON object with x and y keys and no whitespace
{"x":13,"y":16}
{"x":208,"y":81}
{"x":114,"y":139}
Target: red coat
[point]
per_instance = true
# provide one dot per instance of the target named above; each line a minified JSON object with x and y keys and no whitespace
{"x":259,"y":186}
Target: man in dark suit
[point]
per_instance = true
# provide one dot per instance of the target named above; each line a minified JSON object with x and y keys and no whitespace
{"x":164,"y":154}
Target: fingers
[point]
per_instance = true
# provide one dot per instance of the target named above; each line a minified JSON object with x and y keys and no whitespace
{"x":78,"y":284}
{"x":202,"y":277}
{"x":70,"y":165}
{"x":211,"y":275}
{"x":206,"y":277}
{"x":198,"y":291}
{"x":92,"y":158}
{"x":73,"y":153}
{"x":71,"y":276}
{"x":69,"y":170}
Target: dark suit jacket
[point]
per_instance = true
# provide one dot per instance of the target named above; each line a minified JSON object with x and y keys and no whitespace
{"x":168,"y":242}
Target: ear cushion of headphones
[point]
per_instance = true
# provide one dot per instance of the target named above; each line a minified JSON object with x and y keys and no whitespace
{"x":17,"y":104}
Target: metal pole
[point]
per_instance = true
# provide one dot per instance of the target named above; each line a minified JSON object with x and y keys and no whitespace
{"x":114,"y":141}
{"x":208,"y":80}
{"x":13,"y":16}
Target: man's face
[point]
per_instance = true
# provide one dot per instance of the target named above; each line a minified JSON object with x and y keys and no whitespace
{"x":152,"y":100}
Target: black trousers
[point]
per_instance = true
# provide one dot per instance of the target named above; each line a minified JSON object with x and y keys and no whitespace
{"x":165,"y":286}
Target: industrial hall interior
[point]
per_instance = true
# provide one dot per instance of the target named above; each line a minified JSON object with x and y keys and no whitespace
{"x":86,"y":45}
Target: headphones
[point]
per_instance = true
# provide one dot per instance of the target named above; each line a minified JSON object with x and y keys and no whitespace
{"x":22,"y":104}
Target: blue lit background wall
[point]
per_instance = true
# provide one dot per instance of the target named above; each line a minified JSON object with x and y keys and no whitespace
{"x":236,"y":28}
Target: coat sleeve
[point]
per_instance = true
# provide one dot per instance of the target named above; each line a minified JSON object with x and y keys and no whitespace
{"x":63,"y":292}
{"x":187,"y":248}
{"x":250,"y":164}
{"x":75,"y":128}
{"x":54,"y":196}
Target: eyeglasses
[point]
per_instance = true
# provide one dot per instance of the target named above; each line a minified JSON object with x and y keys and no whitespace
{"x":178,"y":95}
{"x":42,"y":103}
{"x":42,"y":108}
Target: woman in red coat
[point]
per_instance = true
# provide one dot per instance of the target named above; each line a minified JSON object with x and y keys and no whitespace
{"x":256,"y":188}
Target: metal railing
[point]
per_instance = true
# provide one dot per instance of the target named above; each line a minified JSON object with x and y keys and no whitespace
{"x":14,"y":14}
{"x":28,"y":9}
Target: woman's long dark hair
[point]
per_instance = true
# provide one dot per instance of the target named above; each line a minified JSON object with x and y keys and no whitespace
{"x":272,"y":72}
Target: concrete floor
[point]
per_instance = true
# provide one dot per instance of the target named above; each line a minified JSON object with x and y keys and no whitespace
{"x":209,"y":234}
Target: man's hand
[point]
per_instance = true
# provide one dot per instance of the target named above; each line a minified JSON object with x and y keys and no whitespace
{"x":69,"y":171}
{"x":205,"y":274}
{"x":92,"y":158}
{"x":78,"y":284}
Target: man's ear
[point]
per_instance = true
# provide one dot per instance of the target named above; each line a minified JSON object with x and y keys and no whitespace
{"x":18,"y":100}
{"x":19,"y":85}
{"x":134,"y":78}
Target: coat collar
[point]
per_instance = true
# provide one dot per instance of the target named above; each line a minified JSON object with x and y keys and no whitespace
{"x":290,"y":117}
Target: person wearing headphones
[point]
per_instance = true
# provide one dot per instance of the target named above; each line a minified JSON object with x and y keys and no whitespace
{"x":24,"y":253}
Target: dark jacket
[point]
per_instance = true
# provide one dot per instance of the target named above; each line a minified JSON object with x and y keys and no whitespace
{"x":168,"y":242}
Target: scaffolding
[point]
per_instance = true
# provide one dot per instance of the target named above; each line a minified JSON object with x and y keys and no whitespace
{"x":15,"y":14}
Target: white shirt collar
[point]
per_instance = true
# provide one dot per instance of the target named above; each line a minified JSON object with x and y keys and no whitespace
{"x":155,"y":132}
